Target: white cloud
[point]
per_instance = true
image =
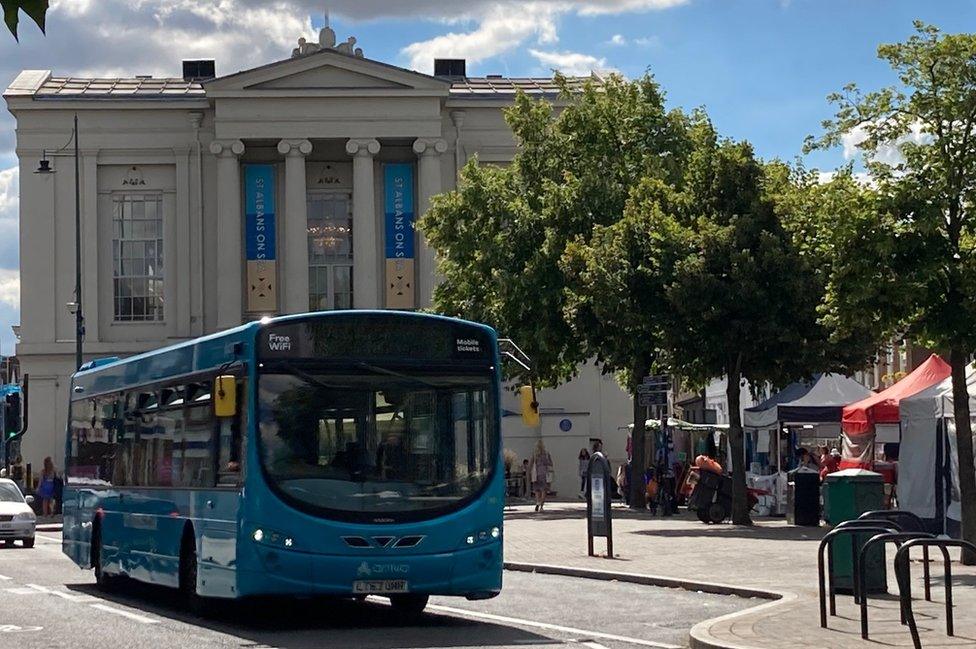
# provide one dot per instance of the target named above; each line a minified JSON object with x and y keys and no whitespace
{"x":889,"y":153}
{"x":647,"y":41}
{"x":572,"y":63}
{"x":617,"y":39}
{"x":499,"y":31}
{"x":10,"y":288}
{"x":862,"y":177}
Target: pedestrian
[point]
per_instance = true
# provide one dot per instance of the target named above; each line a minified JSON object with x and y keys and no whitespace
{"x":584,"y":467}
{"x":830,"y":463}
{"x":804,"y":459}
{"x":542,"y":474}
{"x":45,"y":490}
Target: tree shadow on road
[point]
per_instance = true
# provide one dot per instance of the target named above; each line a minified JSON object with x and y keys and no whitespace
{"x":311,"y":623}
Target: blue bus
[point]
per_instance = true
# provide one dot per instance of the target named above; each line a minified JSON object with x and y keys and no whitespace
{"x":342,"y":453}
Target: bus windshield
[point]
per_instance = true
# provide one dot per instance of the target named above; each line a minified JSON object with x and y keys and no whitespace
{"x":374,"y":442}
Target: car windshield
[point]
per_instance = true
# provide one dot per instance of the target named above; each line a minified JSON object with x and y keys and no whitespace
{"x":377,"y":441}
{"x":10,"y":494}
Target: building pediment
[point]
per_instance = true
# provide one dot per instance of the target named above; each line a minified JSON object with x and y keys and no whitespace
{"x":326,"y":72}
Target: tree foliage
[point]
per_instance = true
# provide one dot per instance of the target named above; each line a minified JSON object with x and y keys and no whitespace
{"x":36,"y":10}
{"x":904,"y":260}
{"x":500,"y":236}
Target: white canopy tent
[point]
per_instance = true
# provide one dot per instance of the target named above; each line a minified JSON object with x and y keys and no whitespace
{"x":928,"y":465}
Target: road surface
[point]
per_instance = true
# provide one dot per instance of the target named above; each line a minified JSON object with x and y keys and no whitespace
{"x":46,"y":602}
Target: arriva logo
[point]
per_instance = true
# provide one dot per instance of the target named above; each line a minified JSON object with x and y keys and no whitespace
{"x":363,"y":570}
{"x":368,"y":570}
{"x":278,"y":343}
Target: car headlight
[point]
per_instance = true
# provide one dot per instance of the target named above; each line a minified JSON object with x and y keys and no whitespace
{"x":25,"y":516}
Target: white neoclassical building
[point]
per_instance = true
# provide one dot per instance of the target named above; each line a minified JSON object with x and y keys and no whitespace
{"x":208,"y":201}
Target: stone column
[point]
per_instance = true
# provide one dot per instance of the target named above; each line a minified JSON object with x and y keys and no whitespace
{"x":365,"y":277}
{"x":428,"y":184}
{"x":294,"y":248}
{"x":230,"y":216}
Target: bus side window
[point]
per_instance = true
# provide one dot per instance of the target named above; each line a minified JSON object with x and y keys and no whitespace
{"x":231,"y":433}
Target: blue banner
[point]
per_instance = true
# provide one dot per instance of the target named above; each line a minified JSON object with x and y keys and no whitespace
{"x":398,"y":192}
{"x":259,"y":212}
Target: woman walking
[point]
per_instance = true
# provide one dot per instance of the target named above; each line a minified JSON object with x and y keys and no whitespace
{"x":45,"y":490}
{"x":584,"y":466}
{"x":542,"y":474}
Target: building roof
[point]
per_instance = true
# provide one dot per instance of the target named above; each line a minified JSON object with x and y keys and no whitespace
{"x":42,"y":85}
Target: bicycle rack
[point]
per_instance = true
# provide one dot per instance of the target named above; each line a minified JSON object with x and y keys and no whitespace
{"x":847,"y":528}
{"x":859,"y":523}
{"x":862,"y":581}
{"x":915,"y":524}
{"x":903,"y":575}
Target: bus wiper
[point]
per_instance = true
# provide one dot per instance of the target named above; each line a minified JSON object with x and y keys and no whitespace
{"x":383,"y":370}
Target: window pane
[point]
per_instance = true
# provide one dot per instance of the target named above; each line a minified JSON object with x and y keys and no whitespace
{"x":137,"y":255}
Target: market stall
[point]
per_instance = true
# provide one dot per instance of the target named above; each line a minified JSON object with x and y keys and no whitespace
{"x":928,"y":482}
{"x":875,"y":419}
{"x":804,"y":413}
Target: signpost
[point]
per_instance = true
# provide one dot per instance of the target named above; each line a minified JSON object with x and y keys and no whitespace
{"x":598,"y":516}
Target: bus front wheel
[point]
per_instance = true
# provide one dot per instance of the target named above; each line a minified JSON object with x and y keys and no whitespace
{"x":409,"y":607}
{"x":103,"y":580}
{"x":192,"y":601}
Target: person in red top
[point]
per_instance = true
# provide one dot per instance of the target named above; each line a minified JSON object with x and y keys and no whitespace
{"x":830,"y":463}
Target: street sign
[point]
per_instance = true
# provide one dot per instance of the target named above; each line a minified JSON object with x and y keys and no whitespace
{"x":655,"y":379}
{"x":647,"y":388}
{"x":653,"y":399}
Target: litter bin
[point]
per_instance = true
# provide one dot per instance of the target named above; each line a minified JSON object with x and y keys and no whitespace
{"x":847,"y":495}
{"x":803,"y":498}
{"x":712,"y":497}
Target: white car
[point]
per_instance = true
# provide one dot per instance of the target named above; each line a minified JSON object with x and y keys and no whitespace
{"x":17,"y":519}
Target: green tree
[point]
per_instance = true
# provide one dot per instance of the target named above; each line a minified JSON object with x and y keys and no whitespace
{"x":743,"y":303}
{"x":915,"y":272}
{"x":36,"y":10}
{"x":501,"y":234}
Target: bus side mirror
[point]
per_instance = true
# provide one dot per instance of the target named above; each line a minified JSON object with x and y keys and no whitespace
{"x":225,"y":396}
{"x":530,"y":407}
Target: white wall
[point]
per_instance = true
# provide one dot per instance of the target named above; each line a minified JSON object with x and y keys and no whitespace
{"x":595,"y":407}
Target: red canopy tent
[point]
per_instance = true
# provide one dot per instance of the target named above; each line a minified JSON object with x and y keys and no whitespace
{"x":858,"y":419}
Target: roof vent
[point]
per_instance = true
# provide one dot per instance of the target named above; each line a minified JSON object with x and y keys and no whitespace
{"x":143,"y":76}
{"x":449,"y":68}
{"x":199,"y":69}
{"x":494,"y":76}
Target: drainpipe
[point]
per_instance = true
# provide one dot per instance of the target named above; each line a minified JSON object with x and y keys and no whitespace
{"x":196,"y":120}
{"x":457,"y":116}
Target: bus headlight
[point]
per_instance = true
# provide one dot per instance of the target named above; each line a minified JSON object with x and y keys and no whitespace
{"x":265,"y":536}
{"x":483,"y":536}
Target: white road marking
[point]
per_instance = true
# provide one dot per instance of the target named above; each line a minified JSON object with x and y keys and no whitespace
{"x":21,"y":591}
{"x":594,"y":645}
{"x":132,"y":616}
{"x":71,"y":597}
{"x":5,"y":578}
{"x":48,"y":538}
{"x":460,"y":612}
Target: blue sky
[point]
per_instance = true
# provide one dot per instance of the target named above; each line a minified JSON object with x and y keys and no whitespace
{"x":761,"y":68}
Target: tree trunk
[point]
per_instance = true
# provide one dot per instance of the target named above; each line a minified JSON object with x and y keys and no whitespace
{"x":964,"y":446}
{"x":638,"y":461}
{"x":740,"y":503}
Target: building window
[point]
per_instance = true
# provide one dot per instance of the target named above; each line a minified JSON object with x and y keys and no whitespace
{"x":329,"y":252}
{"x":137,"y":257}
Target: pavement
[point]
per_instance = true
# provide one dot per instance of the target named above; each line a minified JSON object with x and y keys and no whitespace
{"x":46,"y":602}
{"x":771,"y":559}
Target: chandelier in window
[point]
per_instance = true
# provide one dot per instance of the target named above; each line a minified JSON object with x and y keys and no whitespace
{"x":327,"y":237}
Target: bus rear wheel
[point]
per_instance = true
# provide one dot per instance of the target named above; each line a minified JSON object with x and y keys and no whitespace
{"x":409,"y":608}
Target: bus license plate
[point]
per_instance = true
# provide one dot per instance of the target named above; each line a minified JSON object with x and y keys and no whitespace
{"x":379,"y":586}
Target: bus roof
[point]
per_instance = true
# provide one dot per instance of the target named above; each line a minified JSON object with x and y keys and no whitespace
{"x":198,"y":355}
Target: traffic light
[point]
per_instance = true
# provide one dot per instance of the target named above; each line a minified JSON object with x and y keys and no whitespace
{"x":11,"y":415}
{"x":530,"y":407}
